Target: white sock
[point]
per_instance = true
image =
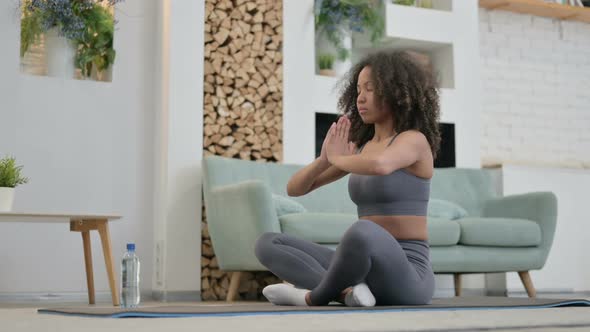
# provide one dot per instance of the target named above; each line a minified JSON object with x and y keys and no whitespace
{"x":360,"y":296}
{"x":284,"y":294}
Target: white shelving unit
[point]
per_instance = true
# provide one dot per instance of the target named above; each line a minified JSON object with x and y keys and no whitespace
{"x":403,"y":31}
{"x":448,"y":34}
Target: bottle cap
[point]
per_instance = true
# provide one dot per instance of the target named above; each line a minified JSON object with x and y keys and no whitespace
{"x":131,"y":246}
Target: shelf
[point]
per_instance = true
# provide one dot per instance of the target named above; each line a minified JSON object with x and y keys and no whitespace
{"x":441,"y":56}
{"x":400,"y":24}
{"x":402,"y":33}
{"x":539,"y":8}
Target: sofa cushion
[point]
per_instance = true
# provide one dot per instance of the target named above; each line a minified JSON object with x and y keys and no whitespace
{"x":284,"y":205}
{"x":317,"y":227}
{"x":443,"y":232}
{"x":499,"y":232}
{"x":441,"y":208}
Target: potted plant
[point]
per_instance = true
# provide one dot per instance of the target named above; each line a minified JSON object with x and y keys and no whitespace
{"x":70,"y":29}
{"x":326,"y":62}
{"x":10,"y":178}
{"x":95,"y":53}
{"x":335,"y":20}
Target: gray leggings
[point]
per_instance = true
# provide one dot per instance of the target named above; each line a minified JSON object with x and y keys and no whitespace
{"x":397,"y":272}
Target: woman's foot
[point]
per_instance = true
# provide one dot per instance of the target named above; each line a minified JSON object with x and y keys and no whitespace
{"x":360,"y":296}
{"x":284,"y":294}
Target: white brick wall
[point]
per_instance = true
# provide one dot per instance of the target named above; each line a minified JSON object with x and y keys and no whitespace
{"x":535,"y":90}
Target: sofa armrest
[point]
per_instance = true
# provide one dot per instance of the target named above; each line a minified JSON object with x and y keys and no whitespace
{"x":237,"y":215}
{"x":540,"y":207}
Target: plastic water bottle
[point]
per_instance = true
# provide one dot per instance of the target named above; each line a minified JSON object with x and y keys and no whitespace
{"x":130,"y":278}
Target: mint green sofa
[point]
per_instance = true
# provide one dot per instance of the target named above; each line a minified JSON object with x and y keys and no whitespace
{"x":491,"y":234}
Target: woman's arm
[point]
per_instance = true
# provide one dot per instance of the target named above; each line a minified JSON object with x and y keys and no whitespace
{"x":405,"y":150}
{"x":358,"y":164}
{"x":313,"y":176}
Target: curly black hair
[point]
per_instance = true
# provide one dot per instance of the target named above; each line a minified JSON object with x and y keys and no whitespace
{"x":405,"y":85}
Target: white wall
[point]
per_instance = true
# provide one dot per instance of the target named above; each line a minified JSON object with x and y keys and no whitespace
{"x":567,"y":267}
{"x":86,"y":147}
{"x":536,"y":97}
{"x":179,"y":135}
{"x":536,"y":77}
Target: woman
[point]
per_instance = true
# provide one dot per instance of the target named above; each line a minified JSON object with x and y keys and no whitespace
{"x":391,"y":110}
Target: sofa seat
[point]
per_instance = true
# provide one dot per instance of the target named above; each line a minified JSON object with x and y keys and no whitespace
{"x":499,"y":232}
{"x":442,"y":232}
{"x":328,"y":228}
{"x":482,"y":259}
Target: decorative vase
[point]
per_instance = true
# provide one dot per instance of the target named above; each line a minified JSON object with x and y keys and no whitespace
{"x":323,"y":45}
{"x":59,"y":55}
{"x":6,"y":199}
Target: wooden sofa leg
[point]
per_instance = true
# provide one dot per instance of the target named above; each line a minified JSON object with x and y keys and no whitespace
{"x":457,"y":279}
{"x":525,"y":277}
{"x":234,"y":284}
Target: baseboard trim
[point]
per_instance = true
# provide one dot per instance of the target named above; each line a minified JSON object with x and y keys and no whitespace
{"x":176,"y":296}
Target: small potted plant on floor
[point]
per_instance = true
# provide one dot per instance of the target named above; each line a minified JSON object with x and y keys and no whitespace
{"x":10,"y":177}
{"x":326,"y":62}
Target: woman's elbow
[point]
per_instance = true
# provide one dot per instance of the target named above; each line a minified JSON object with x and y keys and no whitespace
{"x":381,"y":167}
{"x":291,"y":192}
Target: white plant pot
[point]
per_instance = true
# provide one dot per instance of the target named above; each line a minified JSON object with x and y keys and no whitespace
{"x":324,"y":46}
{"x":6,"y":199}
{"x":59,"y":55}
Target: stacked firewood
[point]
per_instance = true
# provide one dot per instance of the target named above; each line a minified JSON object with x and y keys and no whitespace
{"x":243,"y":79}
{"x":243,"y":105}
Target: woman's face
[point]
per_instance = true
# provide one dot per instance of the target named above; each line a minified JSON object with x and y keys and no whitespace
{"x":366,"y":101}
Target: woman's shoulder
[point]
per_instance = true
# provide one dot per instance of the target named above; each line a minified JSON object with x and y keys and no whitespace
{"x":412,"y":136}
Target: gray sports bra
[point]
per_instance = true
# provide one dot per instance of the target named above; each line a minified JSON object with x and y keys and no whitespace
{"x":397,"y":193}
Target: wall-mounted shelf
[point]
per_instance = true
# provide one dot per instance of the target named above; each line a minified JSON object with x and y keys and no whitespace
{"x":402,"y":32}
{"x":539,"y":8}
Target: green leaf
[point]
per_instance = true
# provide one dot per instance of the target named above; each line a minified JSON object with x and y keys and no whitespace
{"x":10,"y":174}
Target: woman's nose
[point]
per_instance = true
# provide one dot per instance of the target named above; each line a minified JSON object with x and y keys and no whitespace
{"x":361,"y":96}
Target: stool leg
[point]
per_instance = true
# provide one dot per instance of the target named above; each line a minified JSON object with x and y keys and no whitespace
{"x":88,"y":263}
{"x":105,"y":238}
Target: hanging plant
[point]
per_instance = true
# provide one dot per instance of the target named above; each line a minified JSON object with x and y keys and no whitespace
{"x":95,"y":48}
{"x":89,"y":23}
{"x":332,"y":16}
